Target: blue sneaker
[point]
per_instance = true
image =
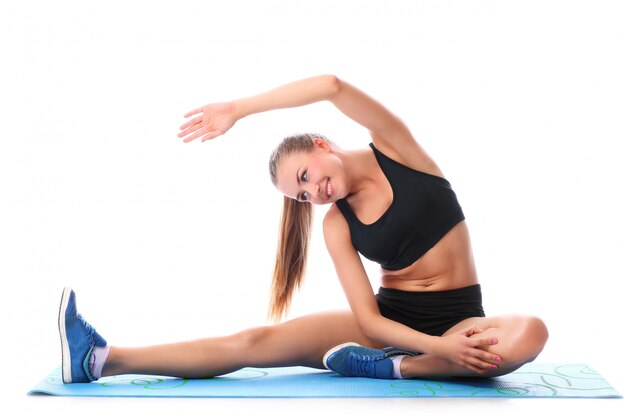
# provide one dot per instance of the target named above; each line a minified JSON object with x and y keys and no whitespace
{"x":78,"y":339}
{"x":352,"y":359}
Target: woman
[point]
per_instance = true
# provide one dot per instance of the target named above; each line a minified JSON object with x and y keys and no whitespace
{"x":391,"y":203}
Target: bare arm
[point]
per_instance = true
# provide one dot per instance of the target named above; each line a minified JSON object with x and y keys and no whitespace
{"x":214,"y":119}
{"x":390,"y":135}
{"x":386,"y":129}
{"x":359,"y":292}
{"x":295,"y":94}
{"x":351,"y":101}
{"x":457,"y":348}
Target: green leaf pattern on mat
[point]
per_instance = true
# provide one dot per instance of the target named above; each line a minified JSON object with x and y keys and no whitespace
{"x":563,"y":378}
{"x":530,"y":381}
{"x":172,"y":383}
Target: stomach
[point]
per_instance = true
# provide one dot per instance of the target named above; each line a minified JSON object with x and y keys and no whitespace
{"x":446,"y":266}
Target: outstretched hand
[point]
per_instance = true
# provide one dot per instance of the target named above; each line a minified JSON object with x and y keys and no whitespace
{"x":210,"y":121}
{"x":465,"y":351}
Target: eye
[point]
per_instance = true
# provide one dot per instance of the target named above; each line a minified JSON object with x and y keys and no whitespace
{"x":304,"y":178}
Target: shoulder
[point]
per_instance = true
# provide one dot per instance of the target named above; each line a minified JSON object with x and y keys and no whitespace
{"x":334,"y":221}
{"x":336,"y":229}
{"x":406,"y":151}
{"x":340,"y":248}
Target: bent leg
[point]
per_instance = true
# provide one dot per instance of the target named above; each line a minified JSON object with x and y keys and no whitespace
{"x":520,"y":340}
{"x":302,"y":341}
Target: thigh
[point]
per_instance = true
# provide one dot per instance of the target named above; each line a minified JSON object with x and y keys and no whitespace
{"x":484,"y":323}
{"x":305,"y":340}
{"x":508,"y":325}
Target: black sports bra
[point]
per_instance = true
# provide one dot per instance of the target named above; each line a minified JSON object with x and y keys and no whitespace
{"x":424,"y":208}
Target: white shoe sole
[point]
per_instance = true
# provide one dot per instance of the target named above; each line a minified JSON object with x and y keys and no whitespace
{"x":66,"y":360}
{"x":335,"y":349}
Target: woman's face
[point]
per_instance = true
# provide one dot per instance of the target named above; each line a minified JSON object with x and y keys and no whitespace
{"x":317,"y":177}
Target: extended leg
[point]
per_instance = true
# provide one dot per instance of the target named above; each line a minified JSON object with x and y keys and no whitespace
{"x":301,"y":341}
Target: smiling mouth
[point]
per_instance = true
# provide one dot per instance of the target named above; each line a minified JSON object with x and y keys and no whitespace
{"x":329,"y":189}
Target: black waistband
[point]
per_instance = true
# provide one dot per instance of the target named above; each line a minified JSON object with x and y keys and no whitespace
{"x":430,"y":312}
{"x":392,"y":293}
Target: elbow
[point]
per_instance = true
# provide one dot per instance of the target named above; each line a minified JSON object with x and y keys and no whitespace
{"x":372,"y":334}
{"x":367,"y":330}
{"x":334,"y":85}
{"x":368,"y":327}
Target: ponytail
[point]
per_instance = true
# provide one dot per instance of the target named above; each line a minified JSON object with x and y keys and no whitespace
{"x":291,"y":255}
{"x":294,"y":233}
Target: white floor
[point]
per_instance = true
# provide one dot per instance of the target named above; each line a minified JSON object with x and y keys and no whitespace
{"x":57,"y":406}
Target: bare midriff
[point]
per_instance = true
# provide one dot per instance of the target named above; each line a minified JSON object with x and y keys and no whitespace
{"x":446,"y":266}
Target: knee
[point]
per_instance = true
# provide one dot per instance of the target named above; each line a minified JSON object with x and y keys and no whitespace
{"x":249,"y":340}
{"x":536,"y":336}
{"x":528,"y":341}
{"x":522,"y":345}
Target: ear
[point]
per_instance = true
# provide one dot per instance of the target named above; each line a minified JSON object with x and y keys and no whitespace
{"x":323,"y":144}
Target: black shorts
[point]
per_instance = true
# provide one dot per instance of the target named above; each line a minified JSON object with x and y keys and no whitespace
{"x":430,"y":312}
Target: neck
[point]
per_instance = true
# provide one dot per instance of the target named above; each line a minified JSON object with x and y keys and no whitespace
{"x":357,"y":165}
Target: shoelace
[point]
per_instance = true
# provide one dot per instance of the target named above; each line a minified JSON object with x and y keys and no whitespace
{"x":86,"y":326}
{"x":89,"y":332}
{"x":363,"y":365}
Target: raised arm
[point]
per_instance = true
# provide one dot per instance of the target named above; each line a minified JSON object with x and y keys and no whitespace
{"x":354,"y":103}
{"x":295,"y":94}
{"x":458,"y":347}
{"x":387,"y":130}
{"x":214,"y":119}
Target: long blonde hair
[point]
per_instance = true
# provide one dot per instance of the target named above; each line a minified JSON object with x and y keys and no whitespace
{"x":294,"y":233}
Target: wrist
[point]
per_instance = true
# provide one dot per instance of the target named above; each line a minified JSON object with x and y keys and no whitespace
{"x":240,"y":108}
{"x":432,"y":345}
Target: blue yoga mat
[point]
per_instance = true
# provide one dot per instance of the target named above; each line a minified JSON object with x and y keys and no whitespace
{"x":530,"y":381}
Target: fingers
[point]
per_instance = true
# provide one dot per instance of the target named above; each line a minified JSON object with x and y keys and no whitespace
{"x":190,"y":130}
{"x":205,"y":132}
{"x":487,"y":358}
{"x":201,"y":132}
{"x":480,"y":366}
{"x":191,"y":122}
{"x":486,"y":361}
{"x":471,"y":331}
{"x":195,"y":111}
{"x":211,"y":135}
{"x":476,"y":368}
{"x":478,"y":359}
{"x":484,"y":342}
{"x":192,"y":126}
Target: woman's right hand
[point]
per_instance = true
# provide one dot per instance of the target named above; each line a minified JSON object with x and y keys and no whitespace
{"x":459,"y":348}
{"x":210,"y":121}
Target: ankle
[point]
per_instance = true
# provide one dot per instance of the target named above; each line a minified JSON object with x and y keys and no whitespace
{"x":111,"y":366}
{"x":98,"y":359}
{"x":397,"y":364}
{"x":409,"y":367}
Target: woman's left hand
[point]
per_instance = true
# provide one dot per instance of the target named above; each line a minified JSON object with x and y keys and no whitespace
{"x":468,"y":352}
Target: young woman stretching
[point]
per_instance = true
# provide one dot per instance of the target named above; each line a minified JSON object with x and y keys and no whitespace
{"x":390,"y":202}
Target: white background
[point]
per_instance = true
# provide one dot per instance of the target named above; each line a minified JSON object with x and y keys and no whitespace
{"x":521,"y":103}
